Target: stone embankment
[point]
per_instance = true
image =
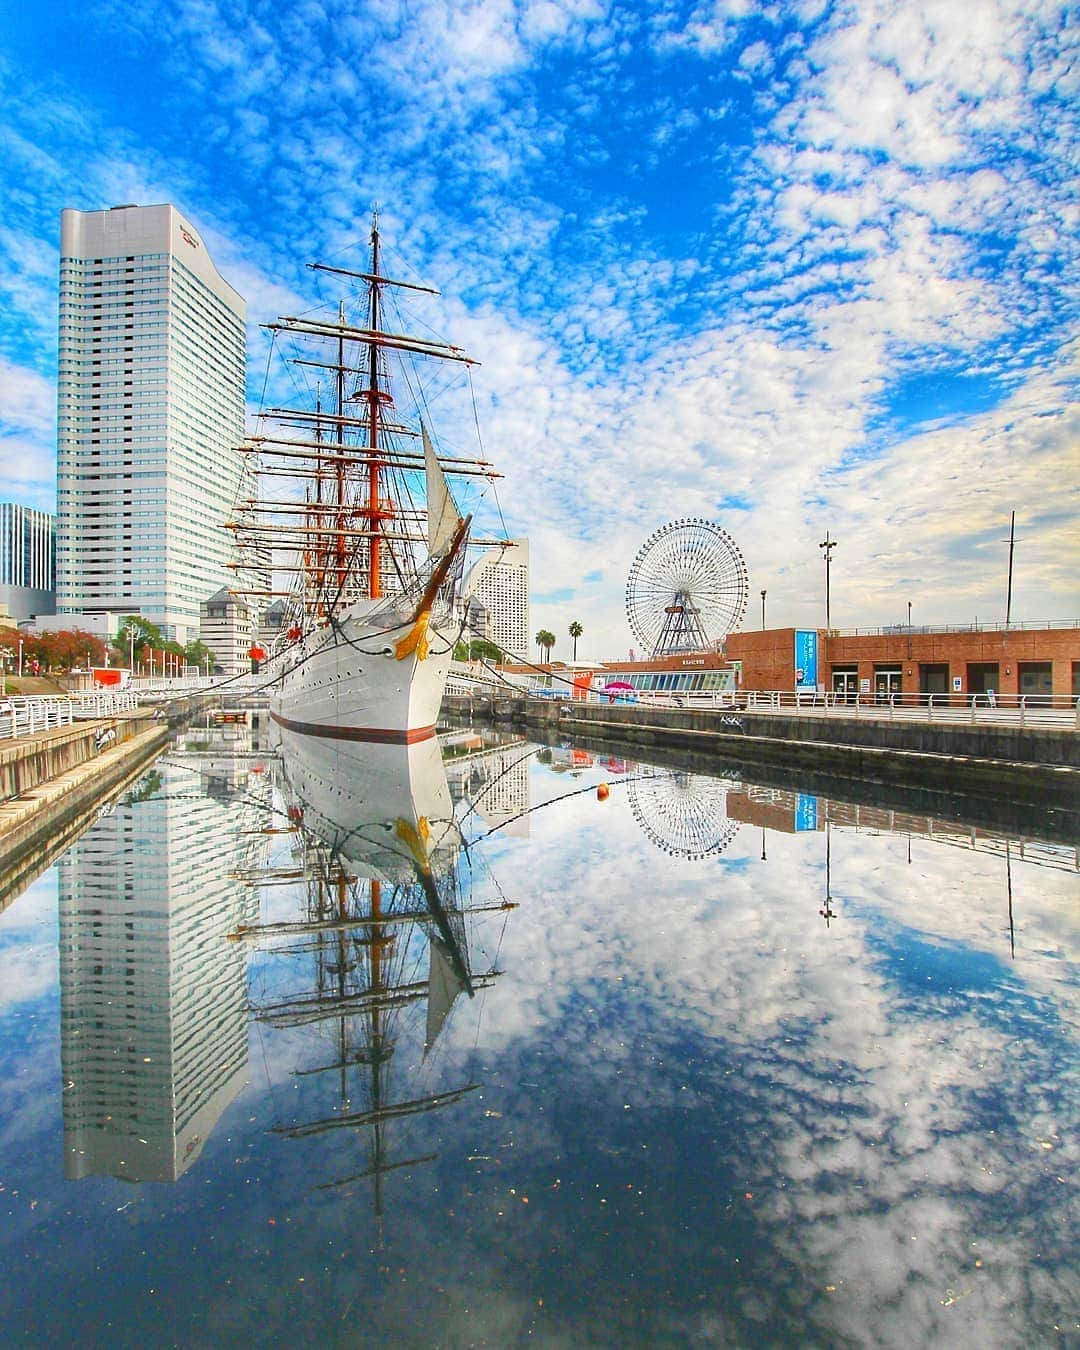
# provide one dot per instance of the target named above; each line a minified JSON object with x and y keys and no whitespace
{"x":49,"y":779}
{"x":1038,"y":764}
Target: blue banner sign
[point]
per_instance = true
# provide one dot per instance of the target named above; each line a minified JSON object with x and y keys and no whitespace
{"x":806,"y":812}
{"x":806,"y":674}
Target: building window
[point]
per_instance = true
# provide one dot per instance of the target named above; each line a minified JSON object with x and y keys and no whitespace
{"x":1036,"y":677}
{"x":983,"y":677}
{"x":934,"y":677}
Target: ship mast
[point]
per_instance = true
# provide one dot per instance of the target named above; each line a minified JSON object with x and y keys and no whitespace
{"x":339,"y":536}
{"x":374,"y":512}
{"x":348,"y":526}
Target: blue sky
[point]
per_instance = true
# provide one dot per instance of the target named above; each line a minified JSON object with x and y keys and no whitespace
{"x":793,"y":267}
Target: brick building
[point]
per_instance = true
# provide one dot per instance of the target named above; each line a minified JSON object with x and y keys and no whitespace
{"x":1031,"y":660}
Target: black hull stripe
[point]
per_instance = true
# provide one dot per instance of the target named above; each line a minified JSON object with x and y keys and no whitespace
{"x":381,"y":735}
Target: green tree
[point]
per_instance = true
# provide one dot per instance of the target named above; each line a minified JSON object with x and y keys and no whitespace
{"x":545,"y":640}
{"x":575,"y":631}
{"x":199,"y":654}
{"x":135,"y":638}
{"x":480,"y":649}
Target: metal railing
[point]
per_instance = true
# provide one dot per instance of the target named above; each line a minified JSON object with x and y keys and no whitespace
{"x":1034,"y":710}
{"x":27,"y":715}
{"x":31,"y":714}
{"x":998,"y":626}
{"x":104,"y":704}
{"x":1025,"y":710}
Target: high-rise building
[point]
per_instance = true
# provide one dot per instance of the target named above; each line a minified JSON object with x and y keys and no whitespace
{"x":27,"y":576}
{"x":150,"y":417}
{"x":499,"y":583}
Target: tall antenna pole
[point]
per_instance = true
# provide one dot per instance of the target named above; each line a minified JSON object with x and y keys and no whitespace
{"x":828,"y":545}
{"x":1012,"y":545}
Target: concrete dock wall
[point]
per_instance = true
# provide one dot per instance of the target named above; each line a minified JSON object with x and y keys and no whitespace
{"x":1043,"y":765}
{"x":60,"y":775}
{"x":1017,"y":745}
{"x":28,"y":761}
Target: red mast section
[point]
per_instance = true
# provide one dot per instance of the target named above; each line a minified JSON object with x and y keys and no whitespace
{"x":374,"y":510}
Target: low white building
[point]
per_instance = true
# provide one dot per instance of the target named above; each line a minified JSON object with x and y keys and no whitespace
{"x":225,"y":627}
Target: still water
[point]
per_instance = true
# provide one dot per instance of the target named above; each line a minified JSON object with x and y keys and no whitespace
{"x":306,"y":1045}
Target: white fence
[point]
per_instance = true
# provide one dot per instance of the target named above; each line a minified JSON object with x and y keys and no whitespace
{"x":28,"y":715}
{"x":1036,"y":710}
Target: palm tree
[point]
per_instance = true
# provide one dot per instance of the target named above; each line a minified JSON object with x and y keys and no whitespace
{"x":575,"y":631}
{"x":545,"y":641}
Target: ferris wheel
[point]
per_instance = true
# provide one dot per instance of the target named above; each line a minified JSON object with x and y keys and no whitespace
{"x":684,"y":814}
{"x":687,"y":587}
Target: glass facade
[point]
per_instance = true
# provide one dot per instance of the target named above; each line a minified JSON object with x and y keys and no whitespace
{"x":27,"y":560}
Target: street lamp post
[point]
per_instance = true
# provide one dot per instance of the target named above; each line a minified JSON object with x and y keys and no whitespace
{"x":20,"y":657}
{"x":828,"y":545}
{"x":909,"y":630}
{"x":763,"y":594}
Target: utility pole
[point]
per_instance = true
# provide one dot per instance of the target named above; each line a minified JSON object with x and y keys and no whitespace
{"x":1012,"y":545}
{"x":763,"y":594}
{"x":828,"y":545}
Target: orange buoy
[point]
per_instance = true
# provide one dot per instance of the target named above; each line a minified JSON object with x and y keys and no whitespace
{"x":602,"y":791}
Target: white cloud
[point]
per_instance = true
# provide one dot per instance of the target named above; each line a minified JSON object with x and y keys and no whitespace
{"x":880,"y":225}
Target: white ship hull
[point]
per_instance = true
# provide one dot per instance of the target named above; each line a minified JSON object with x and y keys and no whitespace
{"x":347,"y":683}
{"x":386,"y":808}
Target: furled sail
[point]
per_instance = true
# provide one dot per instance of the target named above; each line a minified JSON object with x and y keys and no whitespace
{"x":443,"y":988}
{"x":442,"y":512}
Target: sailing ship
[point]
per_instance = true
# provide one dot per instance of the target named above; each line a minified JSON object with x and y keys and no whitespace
{"x":382,"y":931}
{"x":369,"y":536}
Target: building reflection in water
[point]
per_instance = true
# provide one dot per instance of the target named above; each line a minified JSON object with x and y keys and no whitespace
{"x":153,"y":997}
{"x":491,"y":773}
{"x":695,"y":816}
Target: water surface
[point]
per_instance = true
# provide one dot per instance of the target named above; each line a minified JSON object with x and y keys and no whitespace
{"x":703,"y":1062}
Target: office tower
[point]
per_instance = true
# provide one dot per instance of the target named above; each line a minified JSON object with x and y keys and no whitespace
{"x":499,"y":583}
{"x":27,"y":578}
{"x":150,"y":417}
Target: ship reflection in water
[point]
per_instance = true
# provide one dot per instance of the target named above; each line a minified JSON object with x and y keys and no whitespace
{"x":442,"y":1045}
{"x":382,"y":930}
